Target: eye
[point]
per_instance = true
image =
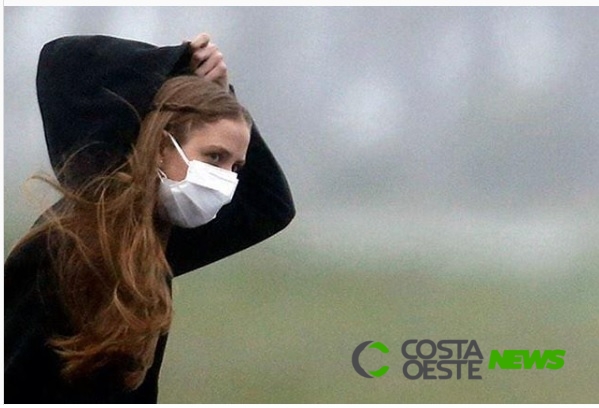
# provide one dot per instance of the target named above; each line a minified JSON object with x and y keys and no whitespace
{"x":214,"y":157}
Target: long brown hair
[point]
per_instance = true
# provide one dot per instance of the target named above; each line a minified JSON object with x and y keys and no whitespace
{"x":108,"y":243}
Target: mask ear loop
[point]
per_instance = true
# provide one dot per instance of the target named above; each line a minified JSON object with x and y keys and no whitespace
{"x":185,"y":159}
{"x":162,"y":174}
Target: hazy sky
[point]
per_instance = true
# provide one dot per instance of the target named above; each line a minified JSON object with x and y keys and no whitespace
{"x":376,"y":111}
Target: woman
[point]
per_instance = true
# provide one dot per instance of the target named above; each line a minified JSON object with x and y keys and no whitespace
{"x":162,"y":171}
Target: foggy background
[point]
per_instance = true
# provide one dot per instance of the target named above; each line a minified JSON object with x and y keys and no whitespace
{"x":444,"y":164}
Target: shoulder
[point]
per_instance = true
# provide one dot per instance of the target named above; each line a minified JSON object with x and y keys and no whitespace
{"x":31,"y":367}
{"x":25,"y":300}
{"x":31,"y":252}
{"x":28,"y":280}
{"x":25,"y":259}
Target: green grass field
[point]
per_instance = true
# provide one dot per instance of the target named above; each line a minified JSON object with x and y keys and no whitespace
{"x":278,"y":324}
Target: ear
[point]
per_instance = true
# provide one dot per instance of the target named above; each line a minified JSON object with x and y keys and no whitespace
{"x":164,"y":143}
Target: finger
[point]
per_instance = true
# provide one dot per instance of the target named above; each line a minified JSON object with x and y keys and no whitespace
{"x":209,"y":64}
{"x":219,"y":76}
{"x":203,"y":54}
{"x":200,"y":41}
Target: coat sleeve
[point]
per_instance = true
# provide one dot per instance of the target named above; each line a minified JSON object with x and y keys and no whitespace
{"x":261,"y":207}
{"x":92,"y":93}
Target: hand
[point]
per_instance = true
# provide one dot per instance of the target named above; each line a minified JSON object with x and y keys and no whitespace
{"x":207,"y":61}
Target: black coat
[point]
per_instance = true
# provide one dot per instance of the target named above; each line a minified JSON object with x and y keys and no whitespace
{"x":87,"y":86}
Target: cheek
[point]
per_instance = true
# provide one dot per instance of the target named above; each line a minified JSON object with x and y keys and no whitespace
{"x":174,"y":167}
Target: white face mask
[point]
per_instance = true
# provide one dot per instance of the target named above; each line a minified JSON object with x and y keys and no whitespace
{"x":196,"y":200}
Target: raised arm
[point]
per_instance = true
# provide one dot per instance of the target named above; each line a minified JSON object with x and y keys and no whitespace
{"x":92,"y":92}
{"x":262,"y":204}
